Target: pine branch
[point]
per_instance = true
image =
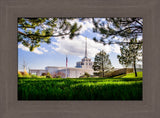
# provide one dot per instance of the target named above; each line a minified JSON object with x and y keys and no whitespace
{"x":30,"y":35}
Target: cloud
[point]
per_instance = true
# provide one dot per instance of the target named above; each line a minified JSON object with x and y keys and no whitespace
{"x":116,"y":48}
{"x":43,"y":49}
{"x":39,"y":50}
{"x":87,"y":24}
{"x":77,"y":47}
{"x":23,"y":47}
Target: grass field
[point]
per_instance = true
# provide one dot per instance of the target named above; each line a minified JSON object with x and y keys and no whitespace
{"x":125,"y":87}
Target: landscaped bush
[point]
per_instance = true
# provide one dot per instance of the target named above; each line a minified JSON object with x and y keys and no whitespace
{"x":34,"y":76}
{"x":20,"y":74}
{"x":28,"y":76}
{"x":43,"y":74}
{"x":48,"y":75}
{"x":25,"y":72}
{"x":59,"y":75}
{"x":86,"y":75}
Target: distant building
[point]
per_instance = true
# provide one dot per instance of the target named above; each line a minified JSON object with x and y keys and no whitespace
{"x":85,"y":65}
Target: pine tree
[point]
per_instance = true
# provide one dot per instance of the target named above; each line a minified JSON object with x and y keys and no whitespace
{"x":102,"y":62}
{"x":130,"y":54}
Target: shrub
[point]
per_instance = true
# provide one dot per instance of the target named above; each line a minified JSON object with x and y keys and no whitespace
{"x":59,"y":75}
{"x":43,"y":74}
{"x":86,"y":75}
{"x":25,"y":72}
{"x":28,"y":76}
{"x":48,"y":75}
{"x":20,"y":74}
{"x":34,"y":76}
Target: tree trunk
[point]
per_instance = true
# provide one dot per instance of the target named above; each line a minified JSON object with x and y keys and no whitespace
{"x":103,"y":72}
{"x":102,"y":66}
{"x":135,"y":71}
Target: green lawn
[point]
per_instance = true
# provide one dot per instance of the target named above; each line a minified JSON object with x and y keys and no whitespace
{"x":132,"y":75}
{"x":127,"y":87}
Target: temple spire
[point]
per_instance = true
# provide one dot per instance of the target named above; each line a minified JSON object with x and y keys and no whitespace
{"x":86,"y":48}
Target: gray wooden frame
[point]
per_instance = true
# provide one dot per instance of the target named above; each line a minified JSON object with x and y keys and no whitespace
{"x":10,"y":107}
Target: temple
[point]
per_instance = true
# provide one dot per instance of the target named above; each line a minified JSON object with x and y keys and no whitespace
{"x":86,"y":62}
{"x":85,"y":65}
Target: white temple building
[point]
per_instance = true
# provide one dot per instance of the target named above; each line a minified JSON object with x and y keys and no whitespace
{"x":85,"y":65}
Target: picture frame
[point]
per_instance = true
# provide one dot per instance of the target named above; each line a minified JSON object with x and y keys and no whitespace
{"x":10,"y":107}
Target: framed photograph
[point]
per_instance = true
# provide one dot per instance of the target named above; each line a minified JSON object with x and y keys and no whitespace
{"x":79,"y":59}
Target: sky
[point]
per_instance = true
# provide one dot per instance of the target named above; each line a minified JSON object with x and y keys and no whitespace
{"x":54,"y":54}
